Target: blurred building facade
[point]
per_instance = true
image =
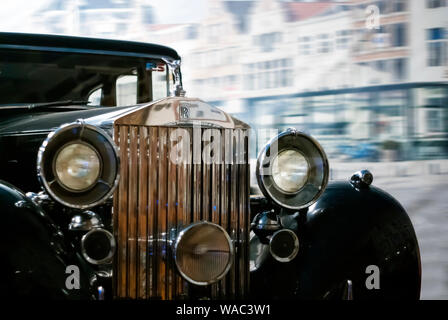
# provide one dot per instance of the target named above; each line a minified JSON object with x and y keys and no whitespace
{"x":365,"y":91}
{"x":99,"y":18}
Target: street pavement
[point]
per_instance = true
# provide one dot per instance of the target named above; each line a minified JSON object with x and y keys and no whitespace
{"x":425,"y":198}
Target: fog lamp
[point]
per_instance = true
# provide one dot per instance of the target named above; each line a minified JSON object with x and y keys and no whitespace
{"x":98,"y":246}
{"x":203,"y":253}
{"x":284,"y":245}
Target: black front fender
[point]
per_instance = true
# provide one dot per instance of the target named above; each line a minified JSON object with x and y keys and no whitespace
{"x":343,"y":233}
{"x":33,"y":252}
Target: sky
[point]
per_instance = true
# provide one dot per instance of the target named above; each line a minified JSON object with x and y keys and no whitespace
{"x":15,"y":13}
{"x":178,"y":11}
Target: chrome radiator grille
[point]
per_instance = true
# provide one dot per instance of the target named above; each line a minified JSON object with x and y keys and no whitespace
{"x":157,"y":197}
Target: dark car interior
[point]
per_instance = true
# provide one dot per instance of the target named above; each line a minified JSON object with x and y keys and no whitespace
{"x":38,"y":77}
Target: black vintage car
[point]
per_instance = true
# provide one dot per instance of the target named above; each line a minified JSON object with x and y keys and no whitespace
{"x":116,"y":185}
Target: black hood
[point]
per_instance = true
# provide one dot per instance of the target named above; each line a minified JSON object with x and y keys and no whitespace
{"x":23,"y":130}
{"x":20,"y":120}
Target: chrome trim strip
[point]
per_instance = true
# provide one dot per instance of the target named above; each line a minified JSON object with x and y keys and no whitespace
{"x":166,"y":112}
{"x":348,"y":291}
{"x":85,"y":221}
{"x":100,"y":293}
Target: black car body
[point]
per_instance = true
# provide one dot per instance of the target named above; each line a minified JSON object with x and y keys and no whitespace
{"x":124,"y":196}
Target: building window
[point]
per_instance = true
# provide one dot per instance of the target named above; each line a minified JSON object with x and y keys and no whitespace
{"x":305,"y":46}
{"x":147,"y":14}
{"x":381,"y":5}
{"x":342,"y":39}
{"x":379,"y":65}
{"x":435,"y":3}
{"x":394,"y":6}
{"x":399,"y":69}
{"x":268,"y":74}
{"x":399,"y":6}
{"x":267,"y":41}
{"x":399,"y":34}
{"x":434,"y":120}
{"x":436,"y":47}
{"x":324,"y":44}
{"x":192,"y":32}
{"x":214,"y":32}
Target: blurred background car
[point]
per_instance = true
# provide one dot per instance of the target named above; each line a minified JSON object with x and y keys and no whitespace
{"x":362,"y":151}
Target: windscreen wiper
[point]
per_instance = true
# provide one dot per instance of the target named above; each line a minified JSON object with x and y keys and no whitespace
{"x":58,"y":103}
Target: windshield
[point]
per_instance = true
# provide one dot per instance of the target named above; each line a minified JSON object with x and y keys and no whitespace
{"x":43,"y":76}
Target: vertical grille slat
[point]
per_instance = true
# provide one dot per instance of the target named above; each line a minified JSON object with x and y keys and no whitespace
{"x":132,"y":213}
{"x":142,"y":214}
{"x":152,"y":202}
{"x":206,"y":190}
{"x":172,"y":213}
{"x":162,"y":214}
{"x":215,"y":186}
{"x":233,"y":227}
{"x":121,"y":212}
{"x":157,"y":198}
{"x":223,"y":214}
{"x":243,"y":237}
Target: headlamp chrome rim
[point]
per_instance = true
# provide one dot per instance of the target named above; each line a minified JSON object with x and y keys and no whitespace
{"x":225,"y":270}
{"x":81,"y":127}
{"x":273,"y":192}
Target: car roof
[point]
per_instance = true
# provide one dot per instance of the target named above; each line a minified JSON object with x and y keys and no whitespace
{"x":33,"y":41}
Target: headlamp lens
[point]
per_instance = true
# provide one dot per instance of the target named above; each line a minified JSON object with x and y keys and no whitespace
{"x":77,"y":166}
{"x":290,"y":170}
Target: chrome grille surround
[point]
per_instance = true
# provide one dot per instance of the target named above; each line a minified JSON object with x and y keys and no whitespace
{"x":156,"y":198}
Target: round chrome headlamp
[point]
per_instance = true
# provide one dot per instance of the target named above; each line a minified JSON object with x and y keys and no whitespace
{"x":203,"y":253}
{"x":292,"y":170}
{"x":78,"y":165}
